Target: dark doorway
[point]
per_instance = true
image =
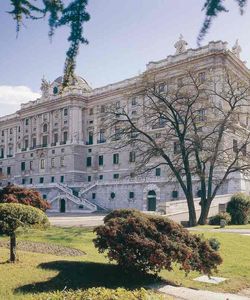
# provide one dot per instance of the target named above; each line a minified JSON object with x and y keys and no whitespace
{"x":62,"y":205}
{"x":151,"y":201}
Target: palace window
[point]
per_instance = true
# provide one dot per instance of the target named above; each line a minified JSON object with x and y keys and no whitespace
{"x":133,"y":101}
{"x":56,"y":138}
{"x":100,"y":160}
{"x":158,"y":172}
{"x":131,"y":195}
{"x":42,"y":163}
{"x":8,"y":170}
{"x":116,"y":158}
{"x":65,"y":136}
{"x":65,"y":112}
{"x":45,"y":140}
{"x":235,"y":146}
{"x":45,"y":128}
{"x":23,"y":166}
{"x":89,"y":161}
{"x":62,"y":161}
{"x":90,"y":141}
{"x":132,"y":156}
{"x":115,"y":176}
{"x":52,"y":162}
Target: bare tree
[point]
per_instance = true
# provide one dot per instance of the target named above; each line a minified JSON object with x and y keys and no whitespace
{"x":197,"y":127}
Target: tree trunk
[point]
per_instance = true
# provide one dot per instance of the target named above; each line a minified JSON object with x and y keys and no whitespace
{"x":205,"y":206}
{"x":191,"y":211}
{"x":13,"y":247}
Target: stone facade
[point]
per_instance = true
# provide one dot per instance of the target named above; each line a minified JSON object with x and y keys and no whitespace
{"x":56,"y":143}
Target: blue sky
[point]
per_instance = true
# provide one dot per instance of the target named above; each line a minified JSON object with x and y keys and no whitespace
{"x":123,"y":37}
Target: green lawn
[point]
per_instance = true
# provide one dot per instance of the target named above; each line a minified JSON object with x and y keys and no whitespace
{"x":247,"y":226}
{"x":35,"y":273}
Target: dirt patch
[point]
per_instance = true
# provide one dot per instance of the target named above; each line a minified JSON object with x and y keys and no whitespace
{"x":44,"y":248}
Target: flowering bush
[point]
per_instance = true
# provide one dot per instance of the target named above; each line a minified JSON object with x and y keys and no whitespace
{"x":146,"y":243}
{"x":101,"y":294}
{"x":16,"y":194}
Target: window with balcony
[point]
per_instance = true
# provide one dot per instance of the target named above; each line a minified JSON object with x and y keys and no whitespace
{"x":65,"y":137}
{"x":34,"y":142}
{"x":90,"y":139}
{"x":55,"y":138}
{"x":101,"y":138}
{"x":26,"y":144}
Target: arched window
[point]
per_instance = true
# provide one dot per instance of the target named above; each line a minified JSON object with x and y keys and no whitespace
{"x":45,"y":128}
{"x":151,"y":193}
{"x":42,"y":163}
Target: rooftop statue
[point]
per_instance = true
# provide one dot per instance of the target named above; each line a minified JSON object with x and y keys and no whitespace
{"x":45,"y":88}
{"x":180,"y":45}
{"x":236,"y":49}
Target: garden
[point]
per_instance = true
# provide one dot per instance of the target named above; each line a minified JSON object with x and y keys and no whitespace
{"x":121,"y":259}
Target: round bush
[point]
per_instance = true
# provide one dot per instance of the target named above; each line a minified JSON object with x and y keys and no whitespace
{"x":216,"y":220}
{"x":13,"y":216}
{"x":144,"y":243}
{"x":239,"y":209}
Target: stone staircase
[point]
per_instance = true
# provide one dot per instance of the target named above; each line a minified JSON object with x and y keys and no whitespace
{"x":67,"y":193}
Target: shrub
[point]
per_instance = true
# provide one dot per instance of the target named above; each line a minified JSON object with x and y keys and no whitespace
{"x":16,"y":194}
{"x":144,"y":243}
{"x":101,"y":294}
{"x":216,"y":220}
{"x":239,"y":209}
{"x":13,"y":216}
{"x":214,"y":243}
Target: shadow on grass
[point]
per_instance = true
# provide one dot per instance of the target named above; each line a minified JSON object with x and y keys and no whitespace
{"x":82,"y":275}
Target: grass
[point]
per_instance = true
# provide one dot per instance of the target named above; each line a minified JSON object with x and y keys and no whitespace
{"x":35,"y":272}
{"x":247,"y":226}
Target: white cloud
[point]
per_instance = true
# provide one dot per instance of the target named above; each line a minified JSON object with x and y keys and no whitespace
{"x":11,"y":98}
